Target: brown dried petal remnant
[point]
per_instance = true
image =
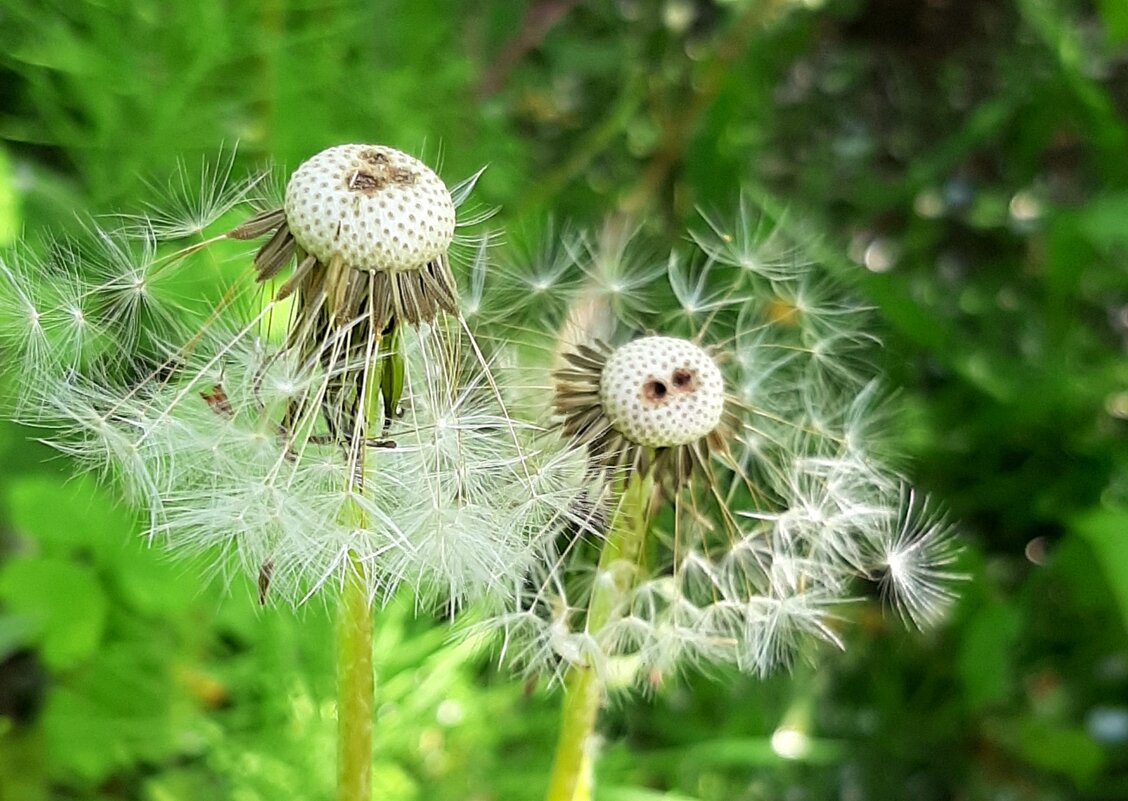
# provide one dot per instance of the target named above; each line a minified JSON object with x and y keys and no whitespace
{"x":379,"y":174}
{"x":656,"y":402}
{"x":217,"y":400}
{"x":656,"y":392}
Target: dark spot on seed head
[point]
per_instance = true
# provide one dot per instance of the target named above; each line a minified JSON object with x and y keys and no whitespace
{"x":654,"y":393}
{"x":377,"y":173}
{"x":366,"y":182}
{"x":685,"y":380}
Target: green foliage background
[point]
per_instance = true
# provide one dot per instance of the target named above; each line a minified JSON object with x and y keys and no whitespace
{"x":972,"y":155}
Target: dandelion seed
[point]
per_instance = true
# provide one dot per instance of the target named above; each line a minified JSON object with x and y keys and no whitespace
{"x":625,"y":279}
{"x":701,"y":293}
{"x":750,"y":243}
{"x":534,"y":277}
{"x":186,"y":207}
{"x":917,"y":550}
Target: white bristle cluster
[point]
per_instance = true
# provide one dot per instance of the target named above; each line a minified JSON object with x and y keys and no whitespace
{"x":375,"y":207}
{"x":662,"y":392}
{"x":267,"y":450}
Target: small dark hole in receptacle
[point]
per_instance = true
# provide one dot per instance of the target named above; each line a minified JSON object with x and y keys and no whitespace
{"x":684,"y":379}
{"x":654,"y":390}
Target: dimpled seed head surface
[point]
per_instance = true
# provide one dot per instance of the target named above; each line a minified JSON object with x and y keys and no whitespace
{"x":661,"y":392}
{"x":376,"y":207}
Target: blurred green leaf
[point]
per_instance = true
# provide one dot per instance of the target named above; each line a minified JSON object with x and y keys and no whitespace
{"x":123,"y":710}
{"x":9,"y":202}
{"x":151,"y":582}
{"x":181,"y":785}
{"x":64,"y":600}
{"x":73,"y":516}
{"x":21,"y":778}
{"x":1103,"y":220}
{"x":1106,"y":532}
{"x":1114,"y":14}
{"x":1068,"y":751}
{"x":16,"y":632}
{"x":613,"y":793}
{"x":986,"y":652}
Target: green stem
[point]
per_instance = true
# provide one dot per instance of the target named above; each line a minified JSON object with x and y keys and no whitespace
{"x":573,"y":763}
{"x":619,"y":560}
{"x":355,"y":690}
{"x":356,"y":686}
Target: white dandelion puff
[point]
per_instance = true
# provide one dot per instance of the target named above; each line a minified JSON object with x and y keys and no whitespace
{"x":740,"y":502}
{"x":325,"y":413}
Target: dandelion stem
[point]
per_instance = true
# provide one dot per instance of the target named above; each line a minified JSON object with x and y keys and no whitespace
{"x":573,"y":765}
{"x":355,"y":689}
{"x":356,"y":686}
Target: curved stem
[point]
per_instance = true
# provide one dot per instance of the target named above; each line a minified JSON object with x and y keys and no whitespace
{"x":619,"y":560}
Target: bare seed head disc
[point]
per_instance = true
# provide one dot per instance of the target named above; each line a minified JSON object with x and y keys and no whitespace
{"x":661,"y":392}
{"x":375,"y":207}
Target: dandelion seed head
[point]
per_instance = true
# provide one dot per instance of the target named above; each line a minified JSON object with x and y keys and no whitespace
{"x":770,"y":508}
{"x":325,"y":411}
{"x":661,"y":391}
{"x":373,"y":206}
